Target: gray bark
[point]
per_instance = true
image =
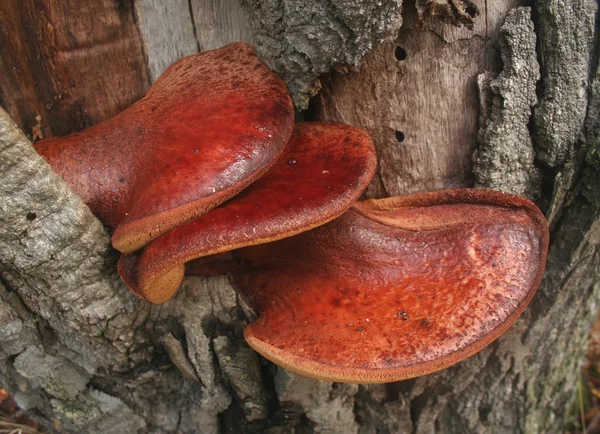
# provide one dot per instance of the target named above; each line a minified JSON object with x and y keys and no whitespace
{"x":82,"y":354}
{"x":300,"y":39}
{"x":505,"y":157}
{"x":567,"y":40}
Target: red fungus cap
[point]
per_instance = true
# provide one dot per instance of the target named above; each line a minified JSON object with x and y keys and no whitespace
{"x":395,"y":288}
{"x":322,"y":172}
{"x":211,"y":125}
{"x":163,"y":287}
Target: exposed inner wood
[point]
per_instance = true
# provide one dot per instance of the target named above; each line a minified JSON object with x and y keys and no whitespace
{"x":74,"y":66}
{"x":417,"y":98}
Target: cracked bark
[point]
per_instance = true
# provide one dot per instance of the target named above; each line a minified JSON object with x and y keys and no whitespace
{"x":505,"y":157}
{"x":83,"y":355}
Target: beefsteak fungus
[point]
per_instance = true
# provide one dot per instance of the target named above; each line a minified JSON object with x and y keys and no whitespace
{"x":395,"y":288}
{"x":322,"y":172}
{"x":212,"y":124}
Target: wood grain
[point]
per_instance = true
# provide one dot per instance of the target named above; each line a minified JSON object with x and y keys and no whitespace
{"x":167,"y":31}
{"x":178,"y":28}
{"x":73,"y":66}
{"x":220,"y":22}
{"x":417,"y":98}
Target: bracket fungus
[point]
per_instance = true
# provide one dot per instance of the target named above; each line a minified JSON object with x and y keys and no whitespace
{"x":395,"y":288}
{"x":209,"y":161}
{"x":322,"y":172}
{"x":211,"y":125}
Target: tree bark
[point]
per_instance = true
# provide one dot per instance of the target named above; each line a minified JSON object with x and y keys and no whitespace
{"x":511,"y":103}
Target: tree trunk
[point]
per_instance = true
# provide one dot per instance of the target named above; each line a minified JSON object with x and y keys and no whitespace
{"x":512,"y":103}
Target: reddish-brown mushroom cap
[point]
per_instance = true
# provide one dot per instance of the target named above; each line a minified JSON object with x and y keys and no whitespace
{"x":322,"y":172}
{"x":164,"y":286}
{"x":395,"y":288}
{"x":211,"y":125}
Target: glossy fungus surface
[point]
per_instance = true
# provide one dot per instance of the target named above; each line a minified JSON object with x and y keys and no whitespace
{"x":322,"y":172}
{"x":395,"y":288}
{"x":211,"y":125}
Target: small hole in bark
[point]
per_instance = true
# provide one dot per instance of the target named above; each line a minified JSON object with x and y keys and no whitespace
{"x":472,"y":10}
{"x":400,"y":136}
{"x":400,"y":53}
{"x":484,"y":414}
{"x":31,"y":216}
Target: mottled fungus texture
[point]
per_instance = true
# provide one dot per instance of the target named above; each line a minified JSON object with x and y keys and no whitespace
{"x":395,"y":288}
{"x":322,"y":172}
{"x":211,"y":125}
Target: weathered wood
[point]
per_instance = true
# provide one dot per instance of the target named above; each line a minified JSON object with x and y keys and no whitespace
{"x":167,"y":31}
{"x":417,"y":98}
{"x":73,"y":66}
{"x":172,"y":30}
{"x":220,"y":22}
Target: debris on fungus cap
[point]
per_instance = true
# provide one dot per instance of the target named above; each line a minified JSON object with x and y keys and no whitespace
{"x":322,"y":172}
{"x":395,"y":288}
{"x":211,"y":125}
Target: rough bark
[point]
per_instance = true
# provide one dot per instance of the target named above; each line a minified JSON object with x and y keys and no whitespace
{"x":301,"y":39}
{"x":83,"y":355}
{"x":566,"y":45}
{"x":505,"y":157}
